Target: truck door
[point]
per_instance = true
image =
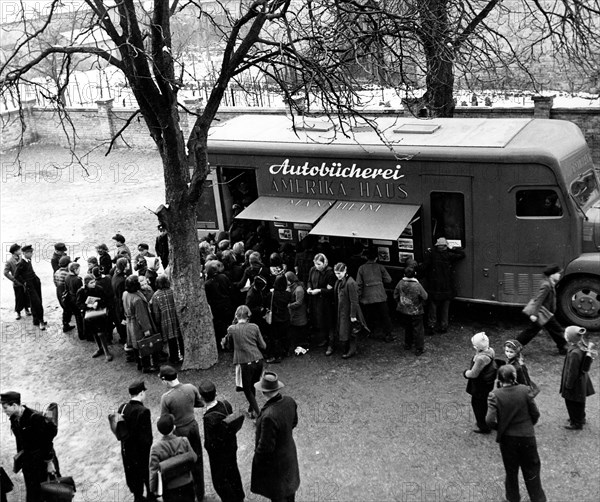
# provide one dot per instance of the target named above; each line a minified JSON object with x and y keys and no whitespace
{"x":447,"y":208}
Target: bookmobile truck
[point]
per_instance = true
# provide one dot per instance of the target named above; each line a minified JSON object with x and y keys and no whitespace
{"x":515,"y":194}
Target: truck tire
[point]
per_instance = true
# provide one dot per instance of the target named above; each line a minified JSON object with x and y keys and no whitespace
{"x":579,"y":302}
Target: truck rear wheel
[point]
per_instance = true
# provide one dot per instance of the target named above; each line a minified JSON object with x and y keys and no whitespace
{"x":579,"y":302}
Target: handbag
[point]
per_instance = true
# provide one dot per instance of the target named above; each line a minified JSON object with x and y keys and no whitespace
{"x":96,"y":315}
{"x":543,"y":314}
{"x":18,"y":461}
{"x":268,"y":317}
{"x":232,"y":422}
{"x":58,"y":489}
{"x":150,"y":345}
{"x":118,"y":426}
{"x":176,"y":466}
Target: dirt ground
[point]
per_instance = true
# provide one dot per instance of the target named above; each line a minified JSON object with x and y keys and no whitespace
{"x":384,"y":426}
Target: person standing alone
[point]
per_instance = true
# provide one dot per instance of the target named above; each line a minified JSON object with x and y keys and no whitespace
{"x":512,"y":412}
{"x":275,"y":470}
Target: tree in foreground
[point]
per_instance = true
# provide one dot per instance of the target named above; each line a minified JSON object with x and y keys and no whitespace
{"x":141,"y":47}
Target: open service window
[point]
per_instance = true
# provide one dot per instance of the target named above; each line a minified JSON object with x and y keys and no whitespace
{"x":448,"y":217}
{"x":538,"y":203}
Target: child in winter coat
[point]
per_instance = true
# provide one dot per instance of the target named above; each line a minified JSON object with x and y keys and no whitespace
{"x":514,"y":357}
{"x":481,"y":376}
{"x":575,"y":383}
{"x":411,"y":297}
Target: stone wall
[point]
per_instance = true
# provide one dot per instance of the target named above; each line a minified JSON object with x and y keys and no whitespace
{"x":94,"y":126}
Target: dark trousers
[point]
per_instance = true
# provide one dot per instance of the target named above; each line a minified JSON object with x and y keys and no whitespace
{"x":34,"y":294}
{"x":251,"y":374}
{"x":184,"y":493}
{"x":225,"y":474}
{"x":21,"y":299}
{"x":479,"y":405}
{"x":378,"y":314}
{"x":413,"y":330}
{"x":438,"y":314}
{"x":135,"y":463}
{"x":554,"y":329}
{"x":576,"y":412}
{"x":521,"y":452}
{"x":192,"y":432}
{"x":35,"y":472}
{"x":279,"y":339}
{"x":175,"y":348}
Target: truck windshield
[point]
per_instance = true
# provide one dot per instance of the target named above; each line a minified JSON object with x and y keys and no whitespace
{"x":585,"y":189}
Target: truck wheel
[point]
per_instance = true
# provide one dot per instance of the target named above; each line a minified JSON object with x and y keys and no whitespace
{"x":579,"y":302}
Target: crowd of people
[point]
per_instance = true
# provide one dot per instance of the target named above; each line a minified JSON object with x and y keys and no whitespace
{"x":267,"y":302}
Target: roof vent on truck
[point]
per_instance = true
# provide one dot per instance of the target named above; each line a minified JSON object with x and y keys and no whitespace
{"x":417,"y":128}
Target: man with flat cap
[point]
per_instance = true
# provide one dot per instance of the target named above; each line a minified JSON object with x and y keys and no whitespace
{"x":135,"y":448}
{"x":541,"y":311}
{"x":181,"y":487}
{"x":180,"y":401}
{"x":221,"y":445}
{"x":25,"y":275}
{"x":10,"y":267}
{"x":34,"y":435}
{"x":275,"y":471}
{"x":60,"y":250}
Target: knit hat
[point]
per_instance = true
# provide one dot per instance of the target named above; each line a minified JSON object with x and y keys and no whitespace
{"x":514,"y":344}
{"x":574,"y":333}
{"x":480,"y":341}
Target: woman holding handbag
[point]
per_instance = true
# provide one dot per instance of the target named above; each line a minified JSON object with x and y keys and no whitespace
{"x":139,"y":322}
{"x":92,"y":301}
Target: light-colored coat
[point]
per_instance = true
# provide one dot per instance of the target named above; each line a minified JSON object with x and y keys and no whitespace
{"x":138,"y":317}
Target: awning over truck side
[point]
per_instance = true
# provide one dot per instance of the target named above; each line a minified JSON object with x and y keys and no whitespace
{"x":286,"y":209}
{"x":365,"y":220}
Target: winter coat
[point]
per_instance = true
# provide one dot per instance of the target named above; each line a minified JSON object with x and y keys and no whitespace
{"x":346,"y":294}
{"x":118,"y":287}
{"x":138,"y":317}
{"x":545,"y":297}
{"x":439,"y":271}
{"x":321,"y":306}
{"x":72,"y":284}
{"x":275,"y":471}
{"x":297,"y":305}
{"x":481,"y":374}
{"x":100,"y":324}
{"x":410,"y":296}
{"x":165,"y":314}
{"x":575,"y":384}
{"x":278,"y":302}
{"x":218,"y":294}
{"x":371,"y":278}
{"x":167,"y":447}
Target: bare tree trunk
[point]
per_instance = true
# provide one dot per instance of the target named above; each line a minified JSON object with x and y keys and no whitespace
{"x":193,"y":310}
{"x":438,"y":48}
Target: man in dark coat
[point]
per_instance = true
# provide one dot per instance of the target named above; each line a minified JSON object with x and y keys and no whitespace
{"x":34,"y":435}
{"x":545,"y":300}
{"x":135,"y":449}
{"x":219,"y":291}
{"x":25,"y":275}
{"x":439,"y":274}
{"x":21,"y":299}
{"x":60,"y":250}
{"x":513,"y":413}
{"x":162,"y":246}
{"x":221,"y":446}
{"x":275,"y":470}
